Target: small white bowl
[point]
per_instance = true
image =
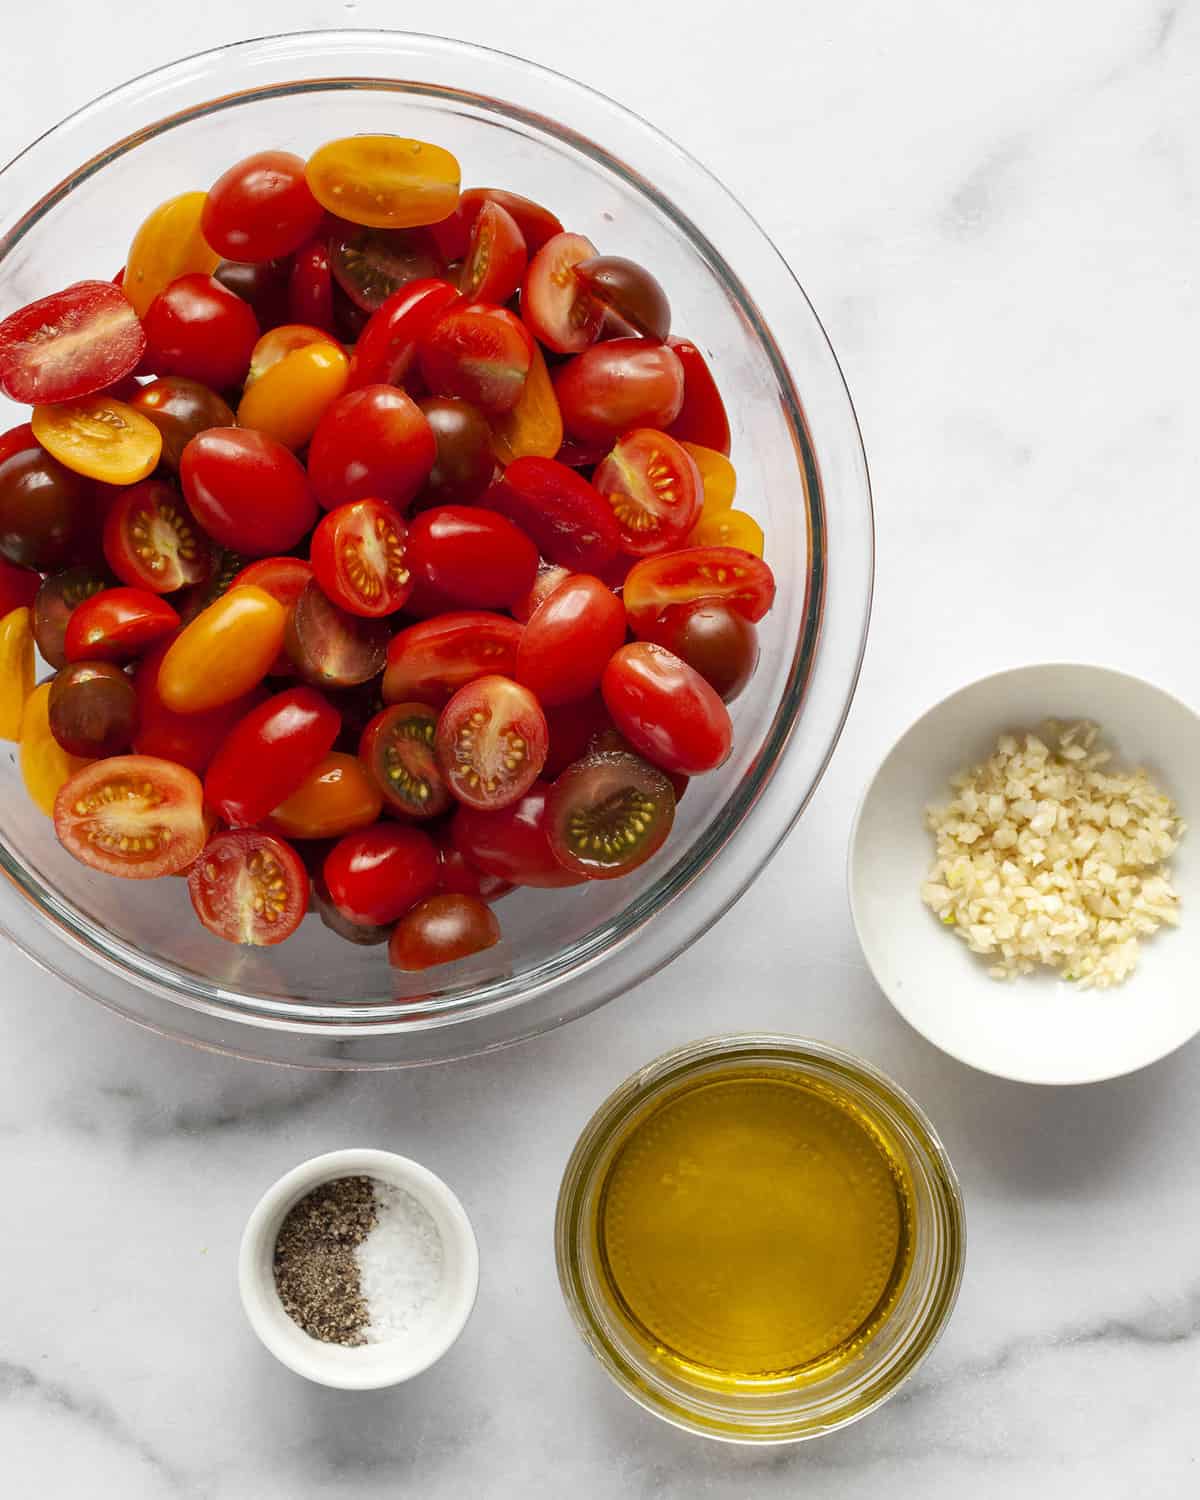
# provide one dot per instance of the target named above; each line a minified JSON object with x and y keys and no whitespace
{"x":1037,"y":1029}
{"x":369,"y":1366}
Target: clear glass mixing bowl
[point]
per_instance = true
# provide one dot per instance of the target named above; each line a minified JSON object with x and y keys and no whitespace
{"x":69,"y":212}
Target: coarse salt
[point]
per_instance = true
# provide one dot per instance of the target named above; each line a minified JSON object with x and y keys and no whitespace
{"x":400,"y":1266}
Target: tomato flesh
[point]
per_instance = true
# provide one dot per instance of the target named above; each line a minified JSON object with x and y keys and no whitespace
{"x":472,"y":556}
{"x":132,"y":815}
{"x":249,"y":887}
{"x":372,"y":265}
{"x":57,"y":598}
{"x":387,"y":346}
{"x":666,"y":710}
{"x":329,"y":646}
{"x":429,"y":662}
{"x":440,"y":930}
{"x":376,"y":874}
{"x":608,"y":813}
{"x":99,"y":437}
{"x":555,"y":306}
{"x":496,"y":256}
{"x":71,"y":344}
{"x":718,"y":574}
{"x":491,"y":742}
{"x":151,"y":542}
{"x":569,"y":639}
{"x":654,"y":488}
{"x":397,"y":749}
{"x":360,"y":557}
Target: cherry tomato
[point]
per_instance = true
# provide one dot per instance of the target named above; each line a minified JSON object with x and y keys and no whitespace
{"x":537,"y":224}
{"x":702,"y":417}
{"x":99,"y":438}
{"x":721,"y":574}
{"x":387,"y":346}
{"x":479,"y":352}
{"x":151,"y":542}
{"x":265,"y":286}
{"x":44,"y":509}
{"x":372,"y":444}
{"x":116,"y":624}
{"x":718,"y":477}
{"x":549,"y":576}
{"x":285,"y":579}
{"x":429,"y":662}
{"x":224,"y":652}
{"x":569,"y":639}
{"x":92,"y":709}
{"x":360,"y":558}
{"x":653,"y":486}
{"x":398,"y":751}
{"x":277,"y":343}
{"x":180,"y":408}
{"x":71,"y":344}
{"x":566,"y":516}
{"x":132,"y":815}
{"x":458,"y":878}
{"x":512,"y":843}
{"x":330,"y":647}
{"x":384,"y":180}
{"x":45,"y":765}
{"x":617,"y":385}
{"x":169,"y":244}
{"x":729,"y":528}
{"x":628,"y":290}
{"x":353,"y":932}
{"x":533,"y":429}
{"x":269,"y":754}
{"x":666,"y":710}
{"x":496,"y":256}
{"x":56,"y":599}
{"x":714,"y":639}
{"x":18,"y":439}
{"x":310,"y":286}
{"x":18,"y":586}
{"x":441,"y":929}
{"x":491,"y":742}
{"x":290,"y":398}
{"x":464,"y":465}
{"x":190,"y":739}
{"x":608,"y":813}
{"x":16,"y":669}
{"x":249,"y":887}
{"x":261,"y":208}
{"x":472,"y":556}
{"x":372,"y":265}
{"x":556,"y":307}
{"x":336,"y":797}
{"x":247,"y":490}
{"x":226,"y":566}
{"x":199,"y":328}
{"x":376,"y":874}
{"x":573,"y":727}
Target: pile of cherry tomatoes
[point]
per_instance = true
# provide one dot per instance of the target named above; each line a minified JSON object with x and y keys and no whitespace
{"x":380,"y":538}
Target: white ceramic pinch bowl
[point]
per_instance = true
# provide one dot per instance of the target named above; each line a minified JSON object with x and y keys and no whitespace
{"x":368,"y":1366}
{"x":1037,"y":1029}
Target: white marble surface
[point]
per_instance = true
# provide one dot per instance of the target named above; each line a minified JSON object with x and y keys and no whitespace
{"x":995,"y":210}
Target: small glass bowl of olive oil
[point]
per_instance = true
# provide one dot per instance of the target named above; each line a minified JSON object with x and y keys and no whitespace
{"x":760,"y":1237}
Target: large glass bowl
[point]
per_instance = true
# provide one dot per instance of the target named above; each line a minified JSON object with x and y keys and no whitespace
{"x":69,"y":212}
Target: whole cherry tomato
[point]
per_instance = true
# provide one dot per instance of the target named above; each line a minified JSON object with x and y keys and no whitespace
{"x":654,"y":488}
{"x":721,"y":574}
{"x":247,"y":490}
{"x":264,"y":285}
{"x":429,"y":662}
{"x":190,"y":739}
{"x":72,"y":344}
{"x":480,"y":352}
{"x":491,"y":742}
{"x":310,"y":286}
{"x":568,"y":640}
{"x":702,"y":418}
{"x":387,"y":346}
{"x":555,"y":305}
{"x":464,"y":465}
{"x":372,"y":444}
{"x":92,"y":709}
{"x":117,"y":624}
{"x":549,"y":576}
{"x":224,"y":652}
{"x":619,"y":384}
{"x":198,"y":328}
{"x":666,"y":710}
{"x":18,"y":586}
{"x":496,"y":256}
{"x":290,"y":398}
{"x":360,"y":557}
{"x":261,"y":208}
{"x":249,"y":886}
{"x":453,"y":234}
{"x":45,"y":765}
{"x":16,"y":669}
{"x":180,"y":408}
{"x":152,"y":542}
{"x":100,"y":438}
{"x":458,"y":878}
{"x":132,"y":815}
{"x":384,"y":180}
{"x":629,"y":291}
{"x":566,"y":516}
{"x":336,"y":797}
{"x":474,"y":557}
{"x":718,"y":477}
{"x":44,"y":510}
{"x":713,"y":638}
{"x":169,"y":244}
{"x":512,"y":843}
{"x":441,"y":929}
{"x":376,"y":874}
{"x":269,"y":754}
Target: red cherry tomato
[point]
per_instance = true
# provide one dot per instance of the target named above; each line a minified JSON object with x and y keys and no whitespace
{"x":260,"y":208}
{"x":617,"y":385}
{"x":537,"y":224}
{"x":387,"y":346}
{"x":459,"y":878}
{"x":397,"y":748}
{"x":702,"y":418}
{"x":549,"y":576}
{"x":666,"y":710}
{"x":372,"y":444}
{"x":376,"y":874}
{"x":284,"y":578}
{"x":18,"y":587}
{"x":151,"y":542}
{"x":249,"y":887}
{"x":496,"y":256}
{"x":512,"y":843}
{"x":190,"y":739}
{"x":569,"y":639}
{"x":565,"y":515}
{"x":269,"y":753}
{"x":555,"y":305}
{"x":472,"y":556}
{"x":247,"y":491}
{"x":573,"y":727}
{"x":491,"y":742}
{"x":310,"y":287}
{"x":479,"y":352}
{"x":198,"y":328}
{"x":359,"y":555}
{"x":440,"y":930}
{"x":429,"y":662}
{"x":724,"y":574}
{"x":132,"y":815}
{"x":117,"y":624}
{"x":654,"y":488}
{"x":69,"y":345}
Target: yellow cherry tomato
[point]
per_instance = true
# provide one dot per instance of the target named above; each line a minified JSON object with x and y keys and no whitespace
{"x":384,"y":181}
{"x":334,"y":798}
{"x":533,"y":429}
{"x":279,"y":342}
{"x":168,"y":245}
{"x":16,"y":670}
{"x":290,"y":398}
{"x":224,"y":652}
{"x":45,"y":765}
{"x":728,"y":528}
{"x":719,"y":477}
{"x":99,"y":437}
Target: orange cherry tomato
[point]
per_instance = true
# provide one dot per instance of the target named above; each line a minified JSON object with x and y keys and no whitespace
{"x":718,"y":477}
{"x":45,"y":765}
{"x":168,"y":245}
{"x":289,"y":399}
{"x":99,"y":438}
{"x":278,"y":343}
{"x":384,"y":181}
{"x":16,"y":670}
{"x":728,"y":528}
{"x":335,"y":797}
{"x":224,"y":652}
{"x":533,"y":428}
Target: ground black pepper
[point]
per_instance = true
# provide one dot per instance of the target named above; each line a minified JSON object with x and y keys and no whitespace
{"x":316,"y":1272}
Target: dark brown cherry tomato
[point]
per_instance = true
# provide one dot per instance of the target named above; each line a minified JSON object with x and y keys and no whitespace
{"x":198,"y":328}
{"x":398,"y":751}
{"x":566,"y":516}
{"x":573,"y":728}
{"x":512,"y":843}
{"x":18,"y":587}
{"x":190,"y":739}
{"x":608,"y":813}
{"x":180,"y":408}
{"x":569,"y":639}
{"x":440,"y":930}
{"x":724,"y":575}
{"x":619,"y":384}
{"x":151,"y":541}
{"x":43,"y":510}
{"x":359,"y":556}
{"x":475,"y":557}
{"x":353,"y":932}
{"x":714,"y":639}
{"x":56,"y":600}
{"x":496,"y":256}
{"x":268,"y":754}
{"x":609,"y":739}
{"x":92,"y":709}
{"x":71,"y":344}
{"x":491,"y":742}
{"x":261,"y":208}
{"x":371,"y":265}
{"x":537,"y":224}
{"x":464,"y":465}
{"x":702,"y":418}
{"x":387,"y":346}
{"x":226,"y":567}
{"x":247,"y":491}
{"x":429,"y":662}
{"x":372,"y":444}
{"x":132,"y":815}
{"x":628,"y":290}
{"x":654,"y":488}
{"x":479,"y":352}
{"x":555,"y":306}
{"x":376,"y":874}
{"x":117,"y":624}
{"x":310,"y":287}
{"x":330,"y":647}
{"x":263,"y":285}
{"x":249,"y":886}
{"x":666,"y":710}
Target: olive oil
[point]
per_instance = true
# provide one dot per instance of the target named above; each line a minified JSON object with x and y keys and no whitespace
{"x":755,"y":1226}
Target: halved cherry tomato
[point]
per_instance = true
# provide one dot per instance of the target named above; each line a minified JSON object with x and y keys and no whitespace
{"x":512,"y":843}
{"x":472,"y":556}
{"x":290,"y":399}
{"x":45,"y":765}
{"x":429,"y":662}
{"x":617,"y":385}
{"x":45,"y":510}
{"x":269,"y":754}
{"x":117,"y":624}
{"x":712,"y":637}
{"x":653,"y":486}
{"x":330,"y":647}
{"x":224,"y":652}
{"x":132,"y":815}
{"x":569,"y":639}
{"x":398,"y":751}
{"x":69,"y":345}
{"x":629,"y":291}
{"x":566,"y":516}
{"x":464,"y":465}
{"x":277,"y":343}
{"x":190,"y":739}
{"x":702,"y":418}
{"x":384,"y":180}
{"x":718,"y":476}
{"x":440,"y":930}
{"x":608,"y":813}
{"x":556,"y":307}
{"x":533,"y":429}
{"x":376,"y":874}
{"x":735,"y":578}
{"x":99,"y":438}
{"x":264,"y":285}
{"x":260,"y":208}
{"x":227,"y":564}
{"x":496,"y":256}
{"x":359,"y":556}
{"x":372,"y":444}
{"x":16,"y":669}
{"x":151,"y":541}
{"x":180,"y":408}
{"x":372,"y":265}
{"x":491,"y":742}
{"x":453,"y":234}
{"x":285,"y":579}
{"x":310,"y":286}
{"x":456,"y":877}
{"x":666,"y":710}
{"x":169,"y":243}
{"x":573,"y":727}
{"x":18,"y":586}
{"x":247,"y":490}
{"x":199,"y":328}
{"x":728,"y":528}
{"x":56,"y":600}
{"x":336,"y":797}
{"x":249,"y":887}
{"x":479,"y":352}
{"x":387,"y":346}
